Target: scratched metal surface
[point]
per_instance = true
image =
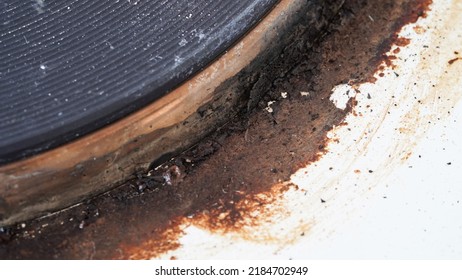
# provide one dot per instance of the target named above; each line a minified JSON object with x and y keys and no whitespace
{"x":70,"y":67}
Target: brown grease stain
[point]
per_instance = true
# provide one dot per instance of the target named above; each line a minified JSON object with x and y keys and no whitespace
{"x":453,"y":60}
{"x":238,"y":214}
{"x":406,"y":156}
{"x":164,"y":241}
{"x":402,"y":42}
{"x":237,"y":173}
{"x":419,"y":29}
{"x":413,"y":10}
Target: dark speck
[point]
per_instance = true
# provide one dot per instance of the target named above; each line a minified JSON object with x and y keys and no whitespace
{"x":323,"y":201}
{"x":370,"y":171}
{"x":453,"y":60}
{"x":449,"y":163}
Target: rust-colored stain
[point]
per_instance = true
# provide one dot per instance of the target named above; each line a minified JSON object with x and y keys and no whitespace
{"x":239,"y":213}
{"x":163,"y":241}
{"x":453,"y":60}
{"x":413,"y":11}
{"x":406,"y":156}
{"x":234,"y":213}
{"x":232,"y":181}
{"x":419,"y":29}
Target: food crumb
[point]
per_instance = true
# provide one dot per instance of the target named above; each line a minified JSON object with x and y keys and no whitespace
{"x":268,"y":107}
